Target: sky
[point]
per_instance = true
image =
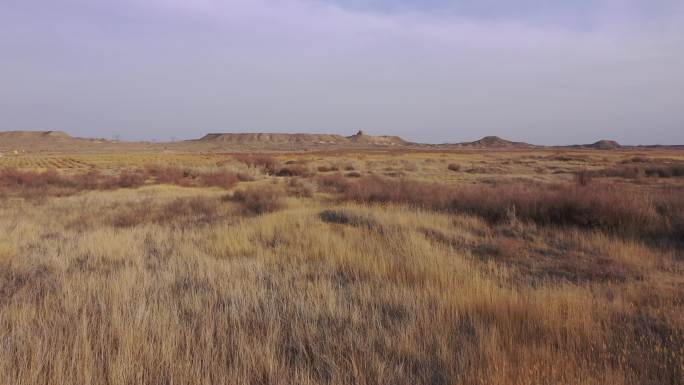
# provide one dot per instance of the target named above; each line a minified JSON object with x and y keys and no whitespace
{"x":435,"y":71}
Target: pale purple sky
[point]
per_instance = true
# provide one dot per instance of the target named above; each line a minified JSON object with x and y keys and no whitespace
{"x":546,"y":72}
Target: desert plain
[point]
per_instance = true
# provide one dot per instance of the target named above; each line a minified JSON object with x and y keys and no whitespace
{"x":339,"y":260}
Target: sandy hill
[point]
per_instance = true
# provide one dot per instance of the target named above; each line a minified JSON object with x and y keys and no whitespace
{"x":359,"y":138}
{"x":495,"y":142}
{"x":46,"y":141}
{"x":605,"y":145}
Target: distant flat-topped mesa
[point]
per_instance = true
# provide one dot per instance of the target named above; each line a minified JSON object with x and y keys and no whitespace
{"x":362,"y":137}
{"x":301,"y":139}
{"x":274,"y":138}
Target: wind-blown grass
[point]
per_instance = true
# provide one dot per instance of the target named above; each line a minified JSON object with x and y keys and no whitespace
{"x":361,"y":281}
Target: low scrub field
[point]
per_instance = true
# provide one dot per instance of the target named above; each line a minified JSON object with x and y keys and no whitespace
{"x":345,"y":268}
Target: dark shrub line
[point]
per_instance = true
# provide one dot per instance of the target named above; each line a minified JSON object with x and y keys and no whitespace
{"x":328,"y":168}
{"x":619,"y":209}
{"x":640,"y":171}
{"x":33,"y":184}
{"x":454,"y":167}
{"x":293,"y":170}
{"x":346,"y":217}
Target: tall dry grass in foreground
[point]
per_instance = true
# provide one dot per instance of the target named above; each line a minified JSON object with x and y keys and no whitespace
{"x":172,"y":285}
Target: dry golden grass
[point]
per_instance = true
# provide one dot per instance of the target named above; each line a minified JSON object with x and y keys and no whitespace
{"x":166,"y":284}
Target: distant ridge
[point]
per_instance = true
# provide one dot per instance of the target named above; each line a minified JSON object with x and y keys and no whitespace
{"x":28,"y":135}
{"x":59,"y":141}
{"x":272,"y":138}
{"x":360,"y":138}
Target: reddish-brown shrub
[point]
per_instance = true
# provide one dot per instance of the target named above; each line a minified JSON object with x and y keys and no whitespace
{"x":35,"y":185}
{"x":637,"y":159}
{"x":669,"y":203}
{"x":332,"y":183}
{"x":197,"y":209}
{"x":89,"y":180}
{"x":131,"y":178}
{"x":623,"y":210}
{"x":245,"y":177}
{"x":328,"y":168}
{"x":671,"y":171}
{"x":125,"y":179}
{"x":454,"y":167}
{"x":192,"y":178}
{"x":301,"y":188}
{"x":203,"y":208}
{"x":32,"y":179}
{"x":638,"y":171}
{"x":108,"y":183}
{"x":293,"y":170}
{"x":376,"y":189}
{"x":169,"y":175}
{"x":266,"y":162}
{"x":222,"y":178}
{"x":31,"y":184}
{"x":583,"y":177}
{"x":130,"y":216}
{"x":259,"y":200}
